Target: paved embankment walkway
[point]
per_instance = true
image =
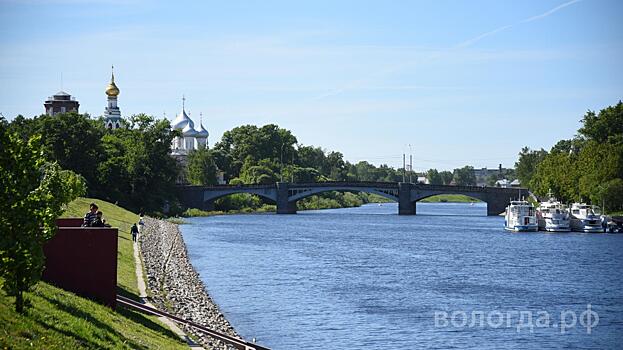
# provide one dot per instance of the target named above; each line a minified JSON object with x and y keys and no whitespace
{"x":174,"y":284}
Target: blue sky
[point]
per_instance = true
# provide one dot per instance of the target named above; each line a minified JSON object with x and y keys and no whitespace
{"x":462,"y":82}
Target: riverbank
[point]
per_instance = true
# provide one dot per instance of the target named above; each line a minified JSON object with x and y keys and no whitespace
{"x":58,"y":319}
{"x":174,"y":284}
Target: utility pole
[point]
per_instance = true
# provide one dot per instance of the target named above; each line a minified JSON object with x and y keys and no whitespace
{"x":411,"y":168}
{"x":404,"y":168}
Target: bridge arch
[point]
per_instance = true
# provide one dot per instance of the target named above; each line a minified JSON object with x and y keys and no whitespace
{"x":294,"y":195}
{"x":214,"y":196}
{"x":476,"y":195}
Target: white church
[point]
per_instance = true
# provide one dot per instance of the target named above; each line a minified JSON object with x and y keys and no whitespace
{"x":192,"y":138}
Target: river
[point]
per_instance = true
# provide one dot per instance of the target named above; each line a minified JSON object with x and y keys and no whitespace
{"x":449,"y":277}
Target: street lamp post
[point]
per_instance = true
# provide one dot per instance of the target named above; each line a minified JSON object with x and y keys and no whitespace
{"x":292,"y":172}
{"x":281,"y":168}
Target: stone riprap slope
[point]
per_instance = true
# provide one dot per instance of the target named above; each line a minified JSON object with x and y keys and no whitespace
{"x":174,"y":283}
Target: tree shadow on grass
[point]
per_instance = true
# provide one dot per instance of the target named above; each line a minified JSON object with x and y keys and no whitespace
{"x":126,"y":293}
{"x":140,"y":318}
{"x":112,"y":336}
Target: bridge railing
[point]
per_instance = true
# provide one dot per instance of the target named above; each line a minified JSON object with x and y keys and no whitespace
{"x":365,"y":184}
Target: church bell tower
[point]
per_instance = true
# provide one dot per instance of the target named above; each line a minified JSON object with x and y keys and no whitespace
{"x":112,"y":115}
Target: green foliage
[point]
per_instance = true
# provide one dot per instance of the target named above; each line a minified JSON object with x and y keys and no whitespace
{"x":557,"y":173}
{"x":464,"y":176}
{"x":248,"y":141}
{"x":492,"y":179}
{"x":59,"y":320}
{"x":33,"y":195}
{"x":588,"y":167}
{"x":607,"y":126}
{"x":449,"y":198}
{"x":611,"y":195}
{"x":139,"y":171}
{"x":201,"y":167}
{"x":294,"y":173}
{"x":238,"y":201}
{"x":330,"y":200}
{"x":130,"y":165}
{"x":434,"y":178}
{"x":600,"y":163}
{"x":527,"y":163}
{"x":446,"y":177}
{"x":73,"y":140}
{"x":261,"y":172}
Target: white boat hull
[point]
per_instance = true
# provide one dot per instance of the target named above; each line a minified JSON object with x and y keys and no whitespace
{"x":587,"y":225}
{"x":522,"y":228}
{"x":554,"y":225}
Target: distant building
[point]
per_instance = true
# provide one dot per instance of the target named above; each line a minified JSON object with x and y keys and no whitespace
{"x":112,"y":114}
{"x":483,"y":174}
{"x":61,"y":102}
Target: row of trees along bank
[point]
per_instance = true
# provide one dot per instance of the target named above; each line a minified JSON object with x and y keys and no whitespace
{"x":587,"y":167}
{"x":132,"y":166}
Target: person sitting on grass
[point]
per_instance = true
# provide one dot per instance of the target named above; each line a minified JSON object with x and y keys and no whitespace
{"x":99,"y":222}
{"x":90,"y":216}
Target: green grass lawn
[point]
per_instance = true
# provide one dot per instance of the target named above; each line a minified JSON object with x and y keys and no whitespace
{"x":452,"y":198}
{"x":61,"y":320}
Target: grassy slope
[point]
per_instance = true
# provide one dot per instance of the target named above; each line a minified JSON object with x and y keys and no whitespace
{"x":453,"y":198}
{"x":61,"y":320}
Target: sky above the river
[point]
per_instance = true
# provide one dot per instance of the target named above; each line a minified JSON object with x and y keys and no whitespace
{"x":461,"y":82}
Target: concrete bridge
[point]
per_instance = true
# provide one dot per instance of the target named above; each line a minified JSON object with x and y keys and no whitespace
{"x":285,"y":195}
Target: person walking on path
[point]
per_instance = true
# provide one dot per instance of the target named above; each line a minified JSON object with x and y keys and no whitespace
{"x":141,"y":224}
{"x":134,"y":232}
{"x":90,"y":216}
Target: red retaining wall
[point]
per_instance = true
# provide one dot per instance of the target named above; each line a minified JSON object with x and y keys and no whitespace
{"x":83,"y":260}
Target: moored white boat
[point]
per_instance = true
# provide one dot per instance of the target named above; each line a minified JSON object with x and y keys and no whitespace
{"x":552,"y":216}
{"x":520,"y":216}
{"x":585,"y":218}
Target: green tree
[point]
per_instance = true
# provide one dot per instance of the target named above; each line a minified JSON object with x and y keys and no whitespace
{"x":556,"y":172}
{"x":492,"y":179}
{"x":33,"y":194}
{"x":139,"y":171}
{"x":527,"y":163}
{"x":612,"y":195}
{"x":464,"y":176}
{"x":434,"y":178}
{"x":73,"y":140}
{"x":607,"y":126}
{"x":268,"y":142}
{"x":446,"y":176}
{"x":262,"y":172}
{"x":600,"y":163}
{"x":298,"y":174}
{"x":201,"y":167}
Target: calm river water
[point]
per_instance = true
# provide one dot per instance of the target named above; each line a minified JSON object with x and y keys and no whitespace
{"x":449,"y":277}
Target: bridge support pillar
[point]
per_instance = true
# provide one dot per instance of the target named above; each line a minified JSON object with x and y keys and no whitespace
{"x":283,"y":205}
{"x":497,"y":204}
{"x":406,"y":206}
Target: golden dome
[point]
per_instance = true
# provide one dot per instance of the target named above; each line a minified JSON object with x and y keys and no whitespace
{"x":112,"y":89}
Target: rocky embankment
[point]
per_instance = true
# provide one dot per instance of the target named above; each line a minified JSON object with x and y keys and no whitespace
{"x":174,"y":283}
